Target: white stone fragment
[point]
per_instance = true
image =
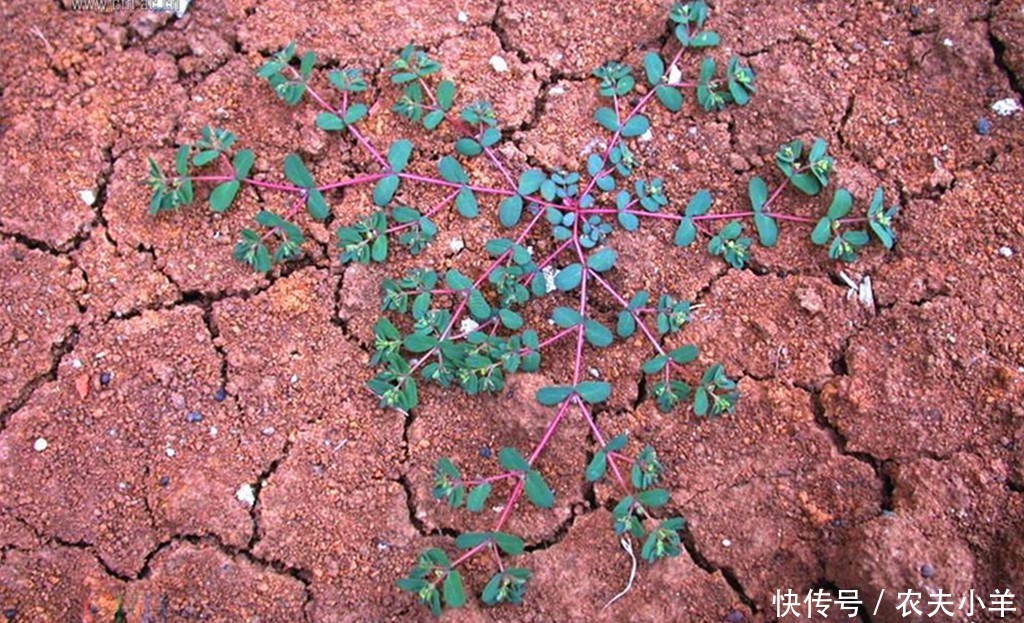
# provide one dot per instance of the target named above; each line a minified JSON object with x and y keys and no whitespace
{"x":468,"y":325}
{"x":40,"y":445}
{"x":498,"y":64}
{"x":462,"y":17}
{"x":675,"y":74}
{"x":88,"y":197}
{"x":646,"y":137}
{"x":1006,"y":107}
{"x":549,"y":272}
{"x":246,"y":495}
{"x":556,"y":90}
{"x":947,"y":42}
{"x":457,"y":244}
{"x":1006,"y":252}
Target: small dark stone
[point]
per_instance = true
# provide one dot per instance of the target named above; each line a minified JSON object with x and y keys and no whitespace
{"x":105,"y":378}
{"x":485,"y":452}
{"x":194,"y":416}
{"x":927,"y":571}
{"x":984,"y":126}
{"x":10,"y":614}
{"x":220,"y":395}
{"x":915,"y":11}
{"x":735,"y":617}
{"x":164,"y":481}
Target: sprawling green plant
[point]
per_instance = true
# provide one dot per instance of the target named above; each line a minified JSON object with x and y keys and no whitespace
{"x":468,"y":331}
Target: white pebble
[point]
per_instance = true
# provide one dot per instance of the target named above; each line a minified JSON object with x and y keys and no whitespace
{"x":213,"y":431}
{"x":595,"y":373}
{"x":674,"y":74}
{"x":1006,"y":252}
{"x":170,"y":452}
{"x":40,"y":445}
{"x":88,"y":197}
{"x":1006,"y":107}
{"x":246,"y":495}
{"x":549,"y":272}
{"x":646,"y":137}
{"x":268,"y":431}
{"x":556,"y":90}
{"x":457,"y":244}
{"x":462,"y":17}
{"x":499,"y":64}
{"x":468,"y":325}
{"x":76,"y":364}
{"x":947,"y":42}
{"x":726,"y":543}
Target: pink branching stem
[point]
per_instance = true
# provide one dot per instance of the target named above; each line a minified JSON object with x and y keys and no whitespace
{"x":461,"y":308}
{"x":501,"y":167}
{"x":469,"y":553}
{"x":428,"y":214}
{"x":208,"y":178}
{"x":625,"y":305}
{"x":517,"y":490}
{"x":558,"y":336}
{"x":292,"y":211}
{"x":578,"y":364}
{"x":622,"y":123}
{"x":274,"y":186}
{"x":498,"y":558}
{"x":599,"y":438}
{"x":487,"y":190}
{"x":362,"y":179}
{"x":497,"y":478}
{"x":621,"y":457}
{"x":550,"y":258}
{"x":366,"y":145}
{"x":343,"y":110}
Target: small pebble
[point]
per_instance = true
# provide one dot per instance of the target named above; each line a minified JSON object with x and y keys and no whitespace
{"x":726,"y":543}
{"x":268,"y":431}
{"x":485,"y":453}
{"x":76,"y":364}
{"x":246,"y":495}
{"x":170,"y":452}
{"x":735,"y":617}
{"x":164,"y":481}
{"x":220,"y":395}
{"x":1006,"y":107}
{"x":194,"y":416}
{"x":41,"y":444}
{"x":1006,"y":252}
{"x":105,"y":378}
{"x":927,"y":571}
{"x":462,"y":17}
{"x":984,"y":126}
{"x":10,"y":613}
{"x":88,"y":197}
{"x":498,"y":64}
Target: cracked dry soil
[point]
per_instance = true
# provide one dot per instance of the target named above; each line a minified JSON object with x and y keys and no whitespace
{"x":870,"y":444}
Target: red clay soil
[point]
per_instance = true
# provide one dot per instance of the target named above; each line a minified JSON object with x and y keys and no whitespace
{"x":186,"y":440}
